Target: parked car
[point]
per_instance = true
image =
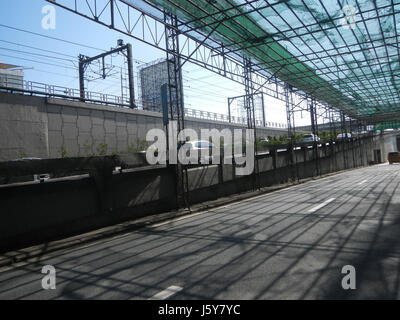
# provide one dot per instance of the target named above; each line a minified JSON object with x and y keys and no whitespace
{"x":359,"y":134}
{"x":310,"y":138}
{"x":394,"y":157}
{"x":342,"y":136}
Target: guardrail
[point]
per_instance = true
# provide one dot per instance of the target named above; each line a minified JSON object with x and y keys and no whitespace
{"x":43,"y":89}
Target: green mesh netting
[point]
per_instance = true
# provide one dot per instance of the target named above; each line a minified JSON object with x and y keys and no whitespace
{"x":344,"y":53}
{"x":387,"y":125}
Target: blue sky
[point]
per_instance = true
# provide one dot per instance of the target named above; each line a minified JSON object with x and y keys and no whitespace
{"x":203,"y":90}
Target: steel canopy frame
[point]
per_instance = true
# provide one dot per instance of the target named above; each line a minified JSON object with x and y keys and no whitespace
{"x":148,"y":27}
{"x":352,"y":57}
{"x":303,"y":43}
{"x":253,"y":43}
{"x":145,"y":22}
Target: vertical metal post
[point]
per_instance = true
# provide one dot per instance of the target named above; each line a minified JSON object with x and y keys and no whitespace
{"x":229,"y":109}
{"x":81,"y":78}
{"x":251,"y":118}
{"x":352,"y":143}
{"x":176,"y":103}
{"x":263,"y":107}
{"x":291,"y":131}
{"x":359,"y":143}
{"x":343,"y":140}
{"x":332,"y":130}
{"x":164,"y":104}
{"x":130,"y":75}
{"x":294,"y":135}
{"x":288,"y":112}
{"x":314,"y":130}
{"x":223,"y":57}
{"x":112,"y":14}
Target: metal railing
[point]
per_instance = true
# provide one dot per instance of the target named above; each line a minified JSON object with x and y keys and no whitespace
{"x":43,"y":89}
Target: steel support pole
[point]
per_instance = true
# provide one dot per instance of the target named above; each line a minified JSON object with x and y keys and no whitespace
{"x":343,"y":140}
{"x":130,"y":76}
{"x":251,"y":121}
{"x":352,"y":143}
{"x":229,"y":110}
{"x":315,"y":132}
{"x":175,"y":99}
{"x":263,"y":108}
{"x":332,"y":128}
{"x":81,"y":78}
{"x":291,"y":131}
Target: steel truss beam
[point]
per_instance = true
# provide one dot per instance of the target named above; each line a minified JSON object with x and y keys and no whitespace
{"x":133,"y":21}
{"x":136,"y":23}
{"x":143,"y":21}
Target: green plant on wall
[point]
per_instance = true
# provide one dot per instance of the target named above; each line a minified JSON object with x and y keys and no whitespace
{"x":88,"y":149}
{"x":325,"y":135}
{"x":141,"y":145}
{"x":299,"y":137}
{"x":131,"y":149}
{"x":23,"y":155}
{"x":102,"y":149}
{"x":63,"y":151}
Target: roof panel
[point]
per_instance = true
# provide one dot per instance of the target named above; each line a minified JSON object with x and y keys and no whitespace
{"x":345,"y":53}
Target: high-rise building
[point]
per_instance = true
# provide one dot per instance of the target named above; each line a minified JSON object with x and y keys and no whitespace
{"x":151,"y":77}
{"x":238,"y":108}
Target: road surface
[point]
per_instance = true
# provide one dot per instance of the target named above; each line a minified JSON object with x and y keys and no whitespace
{"x":289,"y":244}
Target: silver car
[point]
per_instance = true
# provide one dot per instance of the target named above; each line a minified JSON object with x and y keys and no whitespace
{"x":200,"y":146}
{"x":310,"y":138}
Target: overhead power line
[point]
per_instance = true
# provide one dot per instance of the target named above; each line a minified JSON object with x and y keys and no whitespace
{"x":41,"y":62}
{"x":59,"y":39}
{"x":36,"y":48}
{"x":52,"y":38}
{"x":36,"y":54}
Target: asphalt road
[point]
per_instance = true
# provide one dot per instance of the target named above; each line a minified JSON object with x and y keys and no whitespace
{"x":290,"y":244}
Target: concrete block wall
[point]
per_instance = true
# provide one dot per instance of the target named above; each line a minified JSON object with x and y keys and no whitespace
{"x":52,"y":128}
{"x":87,"y":129}
{"x":23,"y":127}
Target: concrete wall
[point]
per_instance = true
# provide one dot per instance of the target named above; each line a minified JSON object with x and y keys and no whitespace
{"x":23,"y":127}
{"x":39,"y":212}
{"x":34,"y":213}
{"x":385,"y":143}
{"x":51,"y":128}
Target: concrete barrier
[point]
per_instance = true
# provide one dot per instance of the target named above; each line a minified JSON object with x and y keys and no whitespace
{"x":39,"y":212}
{"x":55,"y":128}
